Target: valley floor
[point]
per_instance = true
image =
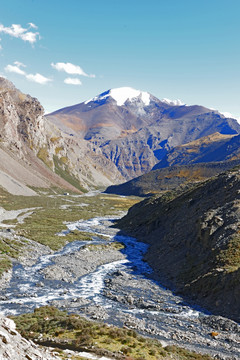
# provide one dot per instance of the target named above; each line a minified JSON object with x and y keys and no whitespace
{"x":88,"y":268}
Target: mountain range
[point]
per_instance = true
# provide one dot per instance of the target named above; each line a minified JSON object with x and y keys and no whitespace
{"x":135,"y":130}
{"x":113,"y":137}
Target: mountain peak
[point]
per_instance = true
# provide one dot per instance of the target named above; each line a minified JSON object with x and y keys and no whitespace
{"x":122,"y":94}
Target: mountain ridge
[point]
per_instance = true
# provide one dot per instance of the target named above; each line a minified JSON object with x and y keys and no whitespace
{"x":176,"y":177}
{"x":214,"y":147}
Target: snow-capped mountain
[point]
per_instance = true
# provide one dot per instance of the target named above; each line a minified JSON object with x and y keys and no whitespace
{"x":121,"y":95}
{"x":134,"y":129}
{"x":109,"y":143}
{"x":111,"y":114}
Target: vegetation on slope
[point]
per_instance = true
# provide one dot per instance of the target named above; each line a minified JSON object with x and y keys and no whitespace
{"x":48,"y":325}
{"x":61,"y":169}
{"x":215,"y":147}
{"x":171,"y":178}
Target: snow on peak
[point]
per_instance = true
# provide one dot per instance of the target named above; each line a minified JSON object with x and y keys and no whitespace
{"x":176,"y":102}
{"x":121,"y":95}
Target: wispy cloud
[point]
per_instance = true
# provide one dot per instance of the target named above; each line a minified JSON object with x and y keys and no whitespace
{"x":14,"y":69}
{"x":70,"y":69}
{"x":72,"y":81}
{"x":19,"y":32}
{"x":19,"y":64}
{"x":31,"y":25}
{"x":37,"y":78}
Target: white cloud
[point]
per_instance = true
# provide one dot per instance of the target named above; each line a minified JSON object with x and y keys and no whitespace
{"x":30,"y":37}
{"x":31,"y":25}
{"x":70,"y":69}
{"x":14,"y":69}
{"x":0,"y":47}
{"x":19,"y":64}
{"x":19,"y":32}
{"x":72,"y":81}
{"x":38,"y":78}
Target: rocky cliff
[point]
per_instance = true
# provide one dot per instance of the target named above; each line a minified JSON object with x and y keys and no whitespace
{"x":39,"y":148}
{"x":194,"y":241}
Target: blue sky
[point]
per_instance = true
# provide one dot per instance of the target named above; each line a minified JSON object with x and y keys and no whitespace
{"x":173,"y":49}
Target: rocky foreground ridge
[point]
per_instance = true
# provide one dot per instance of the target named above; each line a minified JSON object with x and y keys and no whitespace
{"x":14,"y":346}
{"x":194,"y":241}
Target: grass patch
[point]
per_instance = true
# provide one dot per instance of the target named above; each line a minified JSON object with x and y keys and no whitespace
{"x":52,"y":211}
{"x":58,"y":149}
{"x":44,"y":224}
{"x":61,"y":169}
{"x":55,"y":139}
{"x":10,"y":247}
{"x":111,"y":246}
{"x":5,"y":264}
{"x":44,"y":156}
{"x":230,"y":256}
{"x":59,"y":327}
{"x":10,"y":221}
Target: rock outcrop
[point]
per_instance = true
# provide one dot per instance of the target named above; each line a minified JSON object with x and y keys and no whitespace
{"x":14,"y":346}
{"x":42,"y":150}
{"x":194,"y":241}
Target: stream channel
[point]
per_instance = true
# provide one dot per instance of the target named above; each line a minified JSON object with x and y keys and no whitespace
{"x":115,"y":286}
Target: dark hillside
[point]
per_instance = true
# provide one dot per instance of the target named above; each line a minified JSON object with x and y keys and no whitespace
{"x":170,"y":178}
{"x":194,"y":241}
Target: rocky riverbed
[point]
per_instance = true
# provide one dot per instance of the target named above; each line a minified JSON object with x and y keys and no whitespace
{"x":106,"y":279}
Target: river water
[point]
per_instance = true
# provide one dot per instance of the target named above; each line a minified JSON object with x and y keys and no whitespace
{"x":118,"y":290}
